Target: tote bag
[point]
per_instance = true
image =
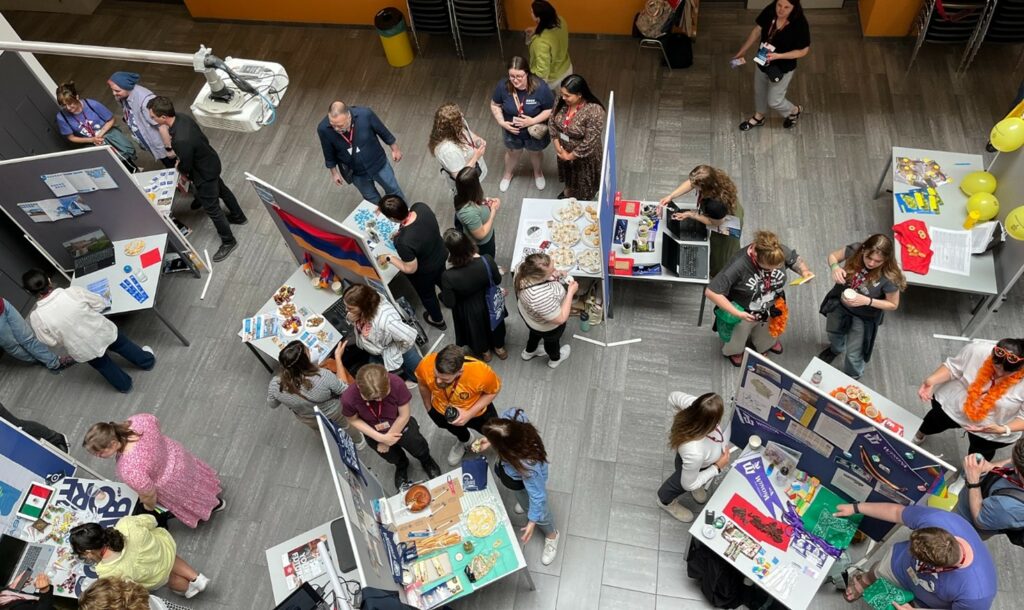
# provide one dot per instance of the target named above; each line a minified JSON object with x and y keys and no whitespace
{"x":494,"y":298}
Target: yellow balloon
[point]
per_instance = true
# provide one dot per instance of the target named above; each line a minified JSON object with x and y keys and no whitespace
{"x":1008,"y":134}
{"x":1014,"y":223}
{"x":985,"y":204}
{"x":978,"y":182}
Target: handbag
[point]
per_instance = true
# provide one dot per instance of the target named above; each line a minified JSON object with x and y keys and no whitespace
{"x":654,"y":18}
{"x":474,"y":473}
{"x":538,"y":131}
{"x":506,"y":480}
{"x":494,"y":298}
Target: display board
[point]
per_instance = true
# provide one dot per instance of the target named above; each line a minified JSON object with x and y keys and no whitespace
{"x":357,"y":488}
{"x":852,"y":455}
{"x":24,"y":460}
{"x":115,"y":202}
{"x":606,"y":201}
{"x":325,"y":240}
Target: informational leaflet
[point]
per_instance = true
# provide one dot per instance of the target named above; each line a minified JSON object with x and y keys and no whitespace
{"x":79,"y":181}
{"x":59,"y":185}
{"x":51,"y":210}
{"x":952,"y":251}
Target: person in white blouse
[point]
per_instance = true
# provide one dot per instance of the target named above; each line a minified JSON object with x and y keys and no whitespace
{"x":981,"y":390}
{"x":454,"y":144}
{"x":71,"y":317}
{"x":698,"y":438}
{"x":381,"y":332}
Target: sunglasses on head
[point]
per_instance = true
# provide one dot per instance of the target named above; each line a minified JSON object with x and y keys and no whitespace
{"x":1007,"y":355}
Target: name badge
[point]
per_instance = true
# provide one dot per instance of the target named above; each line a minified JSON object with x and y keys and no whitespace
{"x":761,"y":58}
{"x":382,"y":426}
{"x":564,"y":136}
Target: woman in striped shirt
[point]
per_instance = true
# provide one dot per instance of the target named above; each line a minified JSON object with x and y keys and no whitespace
{"x":545,"y":299}
{"x":381,"y":332}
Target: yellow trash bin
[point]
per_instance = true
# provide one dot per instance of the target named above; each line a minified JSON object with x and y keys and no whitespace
{"x":390,"y":24}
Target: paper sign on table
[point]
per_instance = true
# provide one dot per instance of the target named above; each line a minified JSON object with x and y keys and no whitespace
{"x":148,"y":259}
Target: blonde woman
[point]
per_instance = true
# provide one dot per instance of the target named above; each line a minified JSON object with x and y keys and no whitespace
{"x":454,"y":144}
{"x":116,"y":593}
{"x":545,"y":300}
{"x":698,"y":438}
{"x":748,"y":288}
{"x":718,"y":208}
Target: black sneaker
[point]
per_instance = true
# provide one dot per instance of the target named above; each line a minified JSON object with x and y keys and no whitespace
{"x":438,"y":325}
{"x":431,"y":468}
{"x":238,"y":221}
{"x":223,"y":251}
{"x":827,"y":355}
{"x":402,"y":476}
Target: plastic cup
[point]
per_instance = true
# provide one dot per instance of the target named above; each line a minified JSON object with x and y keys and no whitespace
{"x":754,"y":442}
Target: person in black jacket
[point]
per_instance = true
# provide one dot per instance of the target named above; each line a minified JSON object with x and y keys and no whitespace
{"x":350,"y":137}
{"x":199,"y":162}
{"x":42,"y":599}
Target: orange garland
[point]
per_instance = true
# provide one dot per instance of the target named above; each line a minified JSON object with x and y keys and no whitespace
{"x":777,"y":324}
{"x":977,"y":407}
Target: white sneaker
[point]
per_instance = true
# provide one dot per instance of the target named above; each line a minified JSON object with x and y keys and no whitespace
{"x":700,"y":495}
{"x":149,"y":349}
{"x":550,"y":550}
{"x":518,"y":509}
{"x":503,"y":185}
{"x":197,"y":586}
{"x":677,"y":510}
{"x":563,"y":355}
{"x":531,"y":355}
{"x":540,"y":182}
{"x":455,"y":455}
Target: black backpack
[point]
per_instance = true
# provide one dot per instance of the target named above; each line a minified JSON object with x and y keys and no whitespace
{"x":1016,"y":536}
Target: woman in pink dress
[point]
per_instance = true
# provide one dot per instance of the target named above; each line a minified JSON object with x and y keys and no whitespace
{"x":158,"y":467}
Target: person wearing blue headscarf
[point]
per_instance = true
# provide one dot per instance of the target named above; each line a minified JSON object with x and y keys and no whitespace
{"x":133,"y":98}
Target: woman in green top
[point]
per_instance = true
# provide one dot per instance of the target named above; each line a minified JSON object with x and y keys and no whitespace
{"x":474,"y":212}
{"x":549,"y":44}
{"x":718,"y":208}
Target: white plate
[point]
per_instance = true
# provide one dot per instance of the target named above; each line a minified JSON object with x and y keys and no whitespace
{"x":567,"y":210}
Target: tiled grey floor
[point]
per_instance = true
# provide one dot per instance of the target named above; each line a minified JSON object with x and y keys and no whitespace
{"x":603,"y":413}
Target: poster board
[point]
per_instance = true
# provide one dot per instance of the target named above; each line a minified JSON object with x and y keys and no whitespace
{"x":853,"y":456}
{"x":608,"y":187}
{"x":327,"y":241}
{"x":122,"y":212}
{"x":357,"y":488}
{"x":24,"y":460}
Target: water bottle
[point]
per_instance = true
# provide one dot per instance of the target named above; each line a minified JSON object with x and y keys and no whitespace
{"x":816,"y":378}
{"x":584,"y":321}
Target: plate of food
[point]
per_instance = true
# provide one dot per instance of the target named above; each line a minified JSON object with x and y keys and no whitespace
{"x":134,"y":247}
{"x":567,"y":210}
{"x":291,"y":325}
{"x":417,"y":498}
{"x":284,"y":294}
{"x":314,"y":322}
{"x":565,"y":234}
{"x":481,"y":521}
{"x":564,"y":259}
{"x":592,"y":235}
{"x":591,"y":211}
{"x":590,"y":260}
{"x":287,"y":310}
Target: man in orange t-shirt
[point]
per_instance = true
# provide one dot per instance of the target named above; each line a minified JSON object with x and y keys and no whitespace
{"x":457,"y":392}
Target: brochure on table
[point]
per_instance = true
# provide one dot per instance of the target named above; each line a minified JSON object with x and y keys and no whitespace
{"x":850,"y":454}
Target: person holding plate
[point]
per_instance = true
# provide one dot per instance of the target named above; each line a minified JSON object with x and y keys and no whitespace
{"x":980,"y":391}
{"x":545,"y":299}
{"x":475,"y":212}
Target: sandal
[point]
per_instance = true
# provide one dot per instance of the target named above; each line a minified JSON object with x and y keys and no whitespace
{"x":487,"y":356}
{"x":751,"y":123}
{"x":736,"y":360}
{"x":777,"y":348}
{"x":792,"y":119}
{"x":501,"y":353}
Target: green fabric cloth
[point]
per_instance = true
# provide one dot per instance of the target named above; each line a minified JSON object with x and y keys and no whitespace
{"x":726,"y":322}
{"x":506,"y":561}
{"x":549,"y":53}
{"x":819,"y":519}
{"x":882,"y":593}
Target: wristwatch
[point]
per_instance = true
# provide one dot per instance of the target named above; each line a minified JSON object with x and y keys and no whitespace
{"x":168,"y":148}
{"x":973,"y":485}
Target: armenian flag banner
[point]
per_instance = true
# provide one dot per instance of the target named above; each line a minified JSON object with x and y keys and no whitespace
{"x":335,"y":249}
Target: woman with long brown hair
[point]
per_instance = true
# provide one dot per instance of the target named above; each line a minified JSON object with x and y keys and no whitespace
{"x":464,"y":287}
{"x":750,"y":289}
{"x":867,"y":284}
{"x":381,"y":332}
{"x":474,"y":212}
{"x":523,"y":468}
{"x":718,"y":208}
{"x":577,"y":128}
{"x":158,"y":467}
{"x":454,"y":144}
{"x":698,"y":438}
{"x":521,"y":105}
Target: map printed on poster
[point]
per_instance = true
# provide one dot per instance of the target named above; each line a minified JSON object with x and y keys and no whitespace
{"x":76,"y":501}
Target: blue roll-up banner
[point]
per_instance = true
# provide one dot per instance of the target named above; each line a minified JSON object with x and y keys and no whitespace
{"x":606,"y":202}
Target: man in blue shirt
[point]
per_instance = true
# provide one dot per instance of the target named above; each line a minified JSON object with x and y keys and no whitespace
{"x":944,"y":564}
{"x":350,"y":137}
{"x":992,"y":513}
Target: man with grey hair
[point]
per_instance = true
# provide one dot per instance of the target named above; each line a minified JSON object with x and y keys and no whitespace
{"x":350,"y":137}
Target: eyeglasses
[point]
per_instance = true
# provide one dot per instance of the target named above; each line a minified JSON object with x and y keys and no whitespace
{"x":1006,"y":355}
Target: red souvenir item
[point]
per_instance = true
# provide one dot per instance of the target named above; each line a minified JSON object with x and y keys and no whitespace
{"x":916,"y":254}
{"x":759,"y":525}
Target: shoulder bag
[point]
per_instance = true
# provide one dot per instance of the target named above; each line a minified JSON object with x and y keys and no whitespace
{"x":494,"y":297}
{"x":538,"y":131}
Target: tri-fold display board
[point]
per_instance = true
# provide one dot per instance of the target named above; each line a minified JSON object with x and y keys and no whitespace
{"x":852,"y":455}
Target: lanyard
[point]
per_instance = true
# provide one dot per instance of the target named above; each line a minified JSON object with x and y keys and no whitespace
{"x":352,"y":134}
{"x":85,"y":126}
{"x":1007,"y":473}
{"x":924,"y":568}
{"x":858,"y":279}
{"x":721,"y":436}
{"x":519,"y":105}
{"x":571,"y":114}
{"x":380,"y":409}
{"x":765,"y":275}
{"x":772,"y":31}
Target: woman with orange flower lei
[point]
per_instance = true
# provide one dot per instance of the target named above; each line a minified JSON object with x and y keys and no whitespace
{"x":979,"y":390}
